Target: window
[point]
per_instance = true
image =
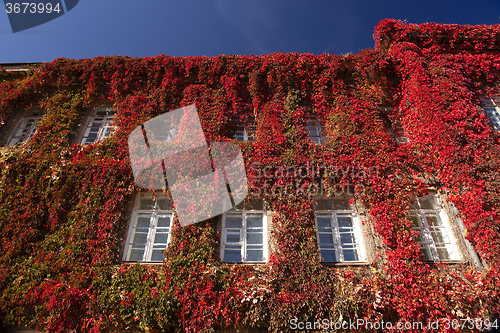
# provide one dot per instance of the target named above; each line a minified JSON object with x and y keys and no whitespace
{"x":315,"y":129}
{"x":398,"y":132}
{"x":99,"y":125}
{"x":472,"y":251}
{"x":491,"y":106}
{"x":245,"y":133}
{"x":433,"y":231}
{"x":26,"y":127}
{"x":394,"y":127}
{"x":244,"y":234}
{"x":149,"y":231}
{"x":339,"y":236}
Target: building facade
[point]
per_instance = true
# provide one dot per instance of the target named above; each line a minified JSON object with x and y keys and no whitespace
{"x":374,"y":191}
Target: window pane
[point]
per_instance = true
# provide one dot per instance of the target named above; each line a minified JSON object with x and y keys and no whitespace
{"x":340,"y":203}
{"x":254,"y":221}
{"x":495,"y":121}
{"x":140,"y":236}
{"x":346,"y":238}
{"x":313,"y":121}
{"x":492,"y":112}
{"x":232,"y":253}
{"x":255,"y":237}
{"x":254,"y":205}
{"x":426,"y":236}
{"x":336,"y":203}
{"x":106,"y":132}
{"x":326,"y":238}
{"x":15,"y":141}
{"x":164,"y":221}
{"x":251,"y":133}
{"x":164,"y":204}
{"x":426,"y":251}
{"x":428,"y":202}
{"x":433,"y":220}
{"x":136,"y":254}
{"x":313,"y":131}
{"x":414,"y":203}
{"x":233,"y":236}
{"x":486,"y":101}
{"x":255,"y":253}
{"x":328,"y":255}
{"x":438,"y":237}
{"x":416,"y":220}
{"x":104,"y":111}
{"x":350,"y":255}
{"x":443,"y":254}
{"x":161,"y":237}
{"x":324,"y":204}
{"x":399,"y":132}
{"x":143,"y":221}
{"x":240,"y":206}
{"x":233,"y":221}
{"x":323,"y":222}
{"x":344,"y":221}
{"x":147,"y":203}
{"x":35,"y":113}
{"x":496,"y":100}
{"x":419,"y":238}
{"x":239,"y":134}
{"x":157,"y":255}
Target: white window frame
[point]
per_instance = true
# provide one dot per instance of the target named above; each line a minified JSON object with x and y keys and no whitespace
{"x":105,"y":129}
{"x":33,"y":116}
{"x":333,"y":215}
{"x":154,"y":214}
{"x":244,"y":214}
{"x":314,"y":124}
{"x":425,"y":231}
{"x":491,"y":107}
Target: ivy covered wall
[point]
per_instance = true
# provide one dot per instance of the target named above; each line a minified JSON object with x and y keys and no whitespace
{"x":63,"y":206}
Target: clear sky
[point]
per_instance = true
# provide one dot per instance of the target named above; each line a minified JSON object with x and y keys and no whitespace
{"x":212,"y":27}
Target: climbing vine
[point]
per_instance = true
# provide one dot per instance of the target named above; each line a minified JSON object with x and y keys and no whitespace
{"x":63,"y":211}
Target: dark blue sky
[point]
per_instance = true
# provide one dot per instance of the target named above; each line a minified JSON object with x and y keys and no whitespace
{"x":213,"y":27}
